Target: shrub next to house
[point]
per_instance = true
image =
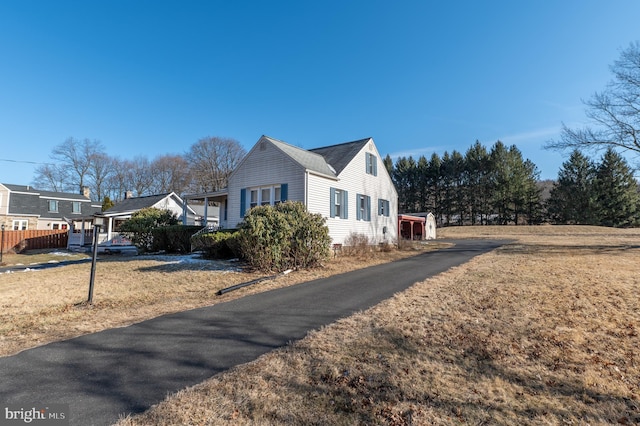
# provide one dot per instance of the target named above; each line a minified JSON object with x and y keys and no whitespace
{"x":284,"y":236}
{"x":142,"y":223}
{"x":217,"y":245}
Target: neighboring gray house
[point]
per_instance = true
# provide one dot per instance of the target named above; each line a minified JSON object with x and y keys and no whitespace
{"x":23,"y":207}
{"x":345,"y":183}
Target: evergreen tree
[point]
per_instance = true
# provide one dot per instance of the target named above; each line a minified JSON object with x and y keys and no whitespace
{"x":422,"y":184}
{"x":618,"y":201}
{"x":532,"y":194}
{"x":434,"y":185}
{"x":401,"y":176}
{"x":573,"y":197}
{"x":447,"y":188}
{"x":501,"y":182}
{"x":478,"y":183}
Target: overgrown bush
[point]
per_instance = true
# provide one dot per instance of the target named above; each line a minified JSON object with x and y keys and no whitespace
{"x":173,"y":239}
{"x":284,"y":236}
{"x":217,"y":245}
{"x":142,"y":223}
{"x":357,"y":245}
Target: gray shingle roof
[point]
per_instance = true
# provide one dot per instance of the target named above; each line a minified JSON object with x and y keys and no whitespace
{"x":48,"y":194}
{"x":328,"y":160}
{"x":136,"y":203}
{"x":307,"y":159}
{"x":340,"y":155}
{"x":26,"y":200}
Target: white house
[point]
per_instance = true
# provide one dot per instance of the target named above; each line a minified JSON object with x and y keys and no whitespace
{"x":123,"y":210}
{"x":346,"y":183}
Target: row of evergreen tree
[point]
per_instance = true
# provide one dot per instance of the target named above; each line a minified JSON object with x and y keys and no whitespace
{"x":498,"y":186}
{"x":588,"y":193}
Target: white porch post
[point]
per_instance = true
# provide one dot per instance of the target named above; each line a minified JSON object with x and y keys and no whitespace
{"x":109,"y":228}
{"x":184,"y":212}
{"x":206,"y":211}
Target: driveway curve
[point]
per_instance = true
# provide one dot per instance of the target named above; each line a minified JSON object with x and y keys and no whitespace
{"x":115,"y":372}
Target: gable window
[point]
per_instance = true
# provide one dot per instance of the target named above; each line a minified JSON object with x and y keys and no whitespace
{"x":20,"y":225}
{"x":76,"y":207}
{"x":364,"y":207}
{"x":383,"y":207}
{"x":371,"y":164}
{"x":52,"y":205}
{"x":338,"y":203}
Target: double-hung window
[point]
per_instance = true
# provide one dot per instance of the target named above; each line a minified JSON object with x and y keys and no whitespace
{"x":371,"y":164}
{"x":20,"y":225}
{"x":76,"y":207}
{"x":338,"y":203}
{"x":383,"y":207}
{"x":363,"y":204}
{"x":262,"y":196}
{"x":52,"y":205}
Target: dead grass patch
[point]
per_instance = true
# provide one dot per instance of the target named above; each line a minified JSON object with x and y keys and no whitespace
{"x":543,"y":331}
{"x":43,"y":306}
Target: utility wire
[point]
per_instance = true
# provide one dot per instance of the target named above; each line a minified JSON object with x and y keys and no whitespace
{"x":22,"y":161}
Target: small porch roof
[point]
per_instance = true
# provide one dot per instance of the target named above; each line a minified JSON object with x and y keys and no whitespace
{"x":216,"y":196}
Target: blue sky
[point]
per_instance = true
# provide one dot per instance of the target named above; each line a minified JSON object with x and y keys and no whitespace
{"x":152,"y":77}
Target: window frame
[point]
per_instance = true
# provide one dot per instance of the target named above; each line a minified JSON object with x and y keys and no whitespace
{"x":17,"y":224}
{"x":384,"y":207}
{"x":54,"y":203}
{"x":371,"y":164}
{"x":76,"y":207}
{"x":338,"y":203}
{"x":363,"y":204}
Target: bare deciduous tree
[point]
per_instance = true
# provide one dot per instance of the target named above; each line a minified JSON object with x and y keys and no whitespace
{"x":211,"y":161}
{"x":52,"y":177}
{"x":100,"y":169}
{"x":614,"y":112}
{"x":170,"y":174}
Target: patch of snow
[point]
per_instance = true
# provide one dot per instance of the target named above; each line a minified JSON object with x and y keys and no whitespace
{"x":62,"y":253}
{"x":193,"y":259}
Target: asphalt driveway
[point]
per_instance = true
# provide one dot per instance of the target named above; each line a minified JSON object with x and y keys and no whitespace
{"x":125,"y":370}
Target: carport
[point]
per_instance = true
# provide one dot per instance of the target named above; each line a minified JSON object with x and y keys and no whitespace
{"x":411,"y":227}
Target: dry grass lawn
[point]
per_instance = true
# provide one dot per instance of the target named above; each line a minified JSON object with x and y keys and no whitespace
{"x":42,"y":306}
{"x":544,"y":331}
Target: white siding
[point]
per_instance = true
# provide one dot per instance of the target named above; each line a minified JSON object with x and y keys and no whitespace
{"x":264,"y":165}
{"x":354,"y":180}
{"x":170,"y":204}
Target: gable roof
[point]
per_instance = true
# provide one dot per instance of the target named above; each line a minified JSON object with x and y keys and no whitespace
{"x":307,"y":159}
{"x":328,"y":160}
{"x":340,"y":155}
{"x":134,"y":204}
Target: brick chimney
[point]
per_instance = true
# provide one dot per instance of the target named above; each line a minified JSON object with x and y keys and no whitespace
{"x":128,"y":194}
{"x":86,"y":192}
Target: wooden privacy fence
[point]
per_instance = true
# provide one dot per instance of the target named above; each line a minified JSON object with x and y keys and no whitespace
{"x":34,"y":239}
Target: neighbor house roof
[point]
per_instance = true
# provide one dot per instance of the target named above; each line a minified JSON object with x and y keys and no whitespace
{"x":27,"y":189}
{"x":24,"y":200}
{"x":133,"y":204}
